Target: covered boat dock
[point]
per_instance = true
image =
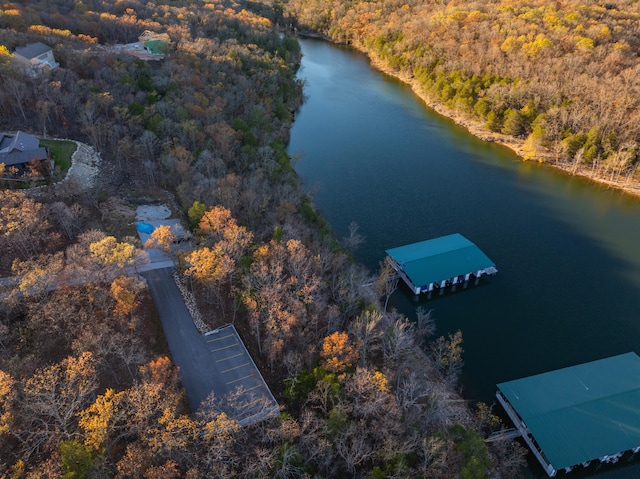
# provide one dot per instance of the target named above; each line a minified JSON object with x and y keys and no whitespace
{"x":579,"y":414}
{"x":439,"y":262}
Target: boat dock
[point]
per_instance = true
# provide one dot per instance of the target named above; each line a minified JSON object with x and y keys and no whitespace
{"x":576,"y":415}
{"x":440,"y":262}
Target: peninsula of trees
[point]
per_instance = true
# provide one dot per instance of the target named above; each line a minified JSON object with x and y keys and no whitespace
{"x":556,"y":81}
{"x":87,"y":387}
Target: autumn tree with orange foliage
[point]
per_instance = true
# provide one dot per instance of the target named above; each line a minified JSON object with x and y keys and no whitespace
{"x":162,"y":237}
{"x":126,"y":290}
{"x":337,"y":352}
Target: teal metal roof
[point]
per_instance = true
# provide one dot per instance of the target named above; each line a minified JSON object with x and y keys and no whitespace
{"x":581,"y":413}
{"x":438,"y":259}
{"x":156,"y":47}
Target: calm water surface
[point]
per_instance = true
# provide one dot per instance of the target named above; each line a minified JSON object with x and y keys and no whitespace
{"x":567,"y":251}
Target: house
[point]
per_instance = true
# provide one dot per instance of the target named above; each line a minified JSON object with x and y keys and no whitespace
{"x":22,"y":154}
{"x":36,"y":57}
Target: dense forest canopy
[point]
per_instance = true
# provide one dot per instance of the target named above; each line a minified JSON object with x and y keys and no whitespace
{"x":564,"y":76}
{"x":87,"y":388}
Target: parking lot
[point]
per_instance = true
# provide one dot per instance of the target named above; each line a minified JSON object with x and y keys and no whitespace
{"x":217,"y":362}
{"x":236,"y":370}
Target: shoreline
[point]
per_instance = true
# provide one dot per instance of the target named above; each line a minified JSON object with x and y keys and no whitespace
{"x":629,"y":185}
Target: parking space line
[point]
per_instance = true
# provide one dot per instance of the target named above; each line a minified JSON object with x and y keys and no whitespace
{"x":219,"y":339}
{"x":240,"y":379}
{"x":237,"y":367}
{"x":230,"y":357}
{"x":224,"y":347}
{"x":254,"y":387}
{"x":253,"y":403}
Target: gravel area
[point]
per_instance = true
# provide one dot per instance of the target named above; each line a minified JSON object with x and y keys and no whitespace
{"x":81,"y":176}
{"x":152,"y":212}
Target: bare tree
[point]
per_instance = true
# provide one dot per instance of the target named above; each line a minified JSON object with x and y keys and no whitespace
{"x":354,"y":239}
{"x":353,"y":447}
{"x":398,"y":340}
{"x":425,"y":325}
{"x":367,"y":333}
{"x":387,"y":281}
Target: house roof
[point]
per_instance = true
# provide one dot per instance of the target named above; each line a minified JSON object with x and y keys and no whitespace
{"x":157,"y":47}
{"x":20,"y":157}
{"x":32,"y":50}
{"x":21,"y":141}
{"x":439,"y":259}
{"x":581,"y":413}
{"x":20,"y":148}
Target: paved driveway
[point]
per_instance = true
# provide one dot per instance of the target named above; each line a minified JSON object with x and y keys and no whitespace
{"x":217,"y":361}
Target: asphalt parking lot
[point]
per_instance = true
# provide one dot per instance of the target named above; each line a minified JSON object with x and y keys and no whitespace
{"x":234,"y":367}
{"x":216,"y":362}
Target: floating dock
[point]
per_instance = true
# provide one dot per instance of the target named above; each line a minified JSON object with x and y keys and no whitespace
{"x":576,"y":415}
{"x":440,"y":262}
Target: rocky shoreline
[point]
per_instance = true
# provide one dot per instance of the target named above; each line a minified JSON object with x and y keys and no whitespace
{"x":630,"y":185}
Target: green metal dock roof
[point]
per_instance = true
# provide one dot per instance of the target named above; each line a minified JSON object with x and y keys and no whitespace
{"x":439,"y":259}
{"x":581,"y":413}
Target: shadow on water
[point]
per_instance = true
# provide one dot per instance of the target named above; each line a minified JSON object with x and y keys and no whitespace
{"x":568,"y":287}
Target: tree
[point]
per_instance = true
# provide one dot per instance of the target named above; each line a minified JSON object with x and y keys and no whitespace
{"x":162,"y":238}
{"x":448,"y":355}
{"x":425,"y":325}
{"x":281,"y":295}
{"x":38,"y":275}
{"x":337,"y":353}
{"x":354,"y":239}
{"x":387,"y":281}
{"x":76,"y":459}
{"x":17,"y":87}
{"x":101,"y":420}
{"x":196,"y":212}
{"x":113,"y":255}
{"x":125,"y":291}
{"x":398,"y":339}
{"x":211,"y":267}
{"x":475,"y":460}
{"x":513,"y":123}
{"x":367,"y":333}
{"x":289,"y":463}
{"x":53,"y":397}
{"x":66,"y":218}
{"x":8,"y":396}
{"x":24,"y":229}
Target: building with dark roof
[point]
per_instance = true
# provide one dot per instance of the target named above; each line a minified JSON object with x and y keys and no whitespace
{"x":36,"y":57}
{"x":19,"y":152}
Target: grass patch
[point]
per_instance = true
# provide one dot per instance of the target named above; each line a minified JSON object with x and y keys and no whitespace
{"x":61,"y":152}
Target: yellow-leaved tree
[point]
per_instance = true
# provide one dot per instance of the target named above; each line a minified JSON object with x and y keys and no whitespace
{"x":338,"y":353}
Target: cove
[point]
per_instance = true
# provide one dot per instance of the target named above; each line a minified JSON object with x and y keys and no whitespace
{"x":567,"y":250}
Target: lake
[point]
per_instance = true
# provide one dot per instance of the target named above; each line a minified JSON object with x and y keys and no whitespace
{"x":567,"y":250}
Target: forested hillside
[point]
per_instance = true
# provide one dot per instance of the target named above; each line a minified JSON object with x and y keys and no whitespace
{"x":87,"y":387}
{"x":559,"y":79}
